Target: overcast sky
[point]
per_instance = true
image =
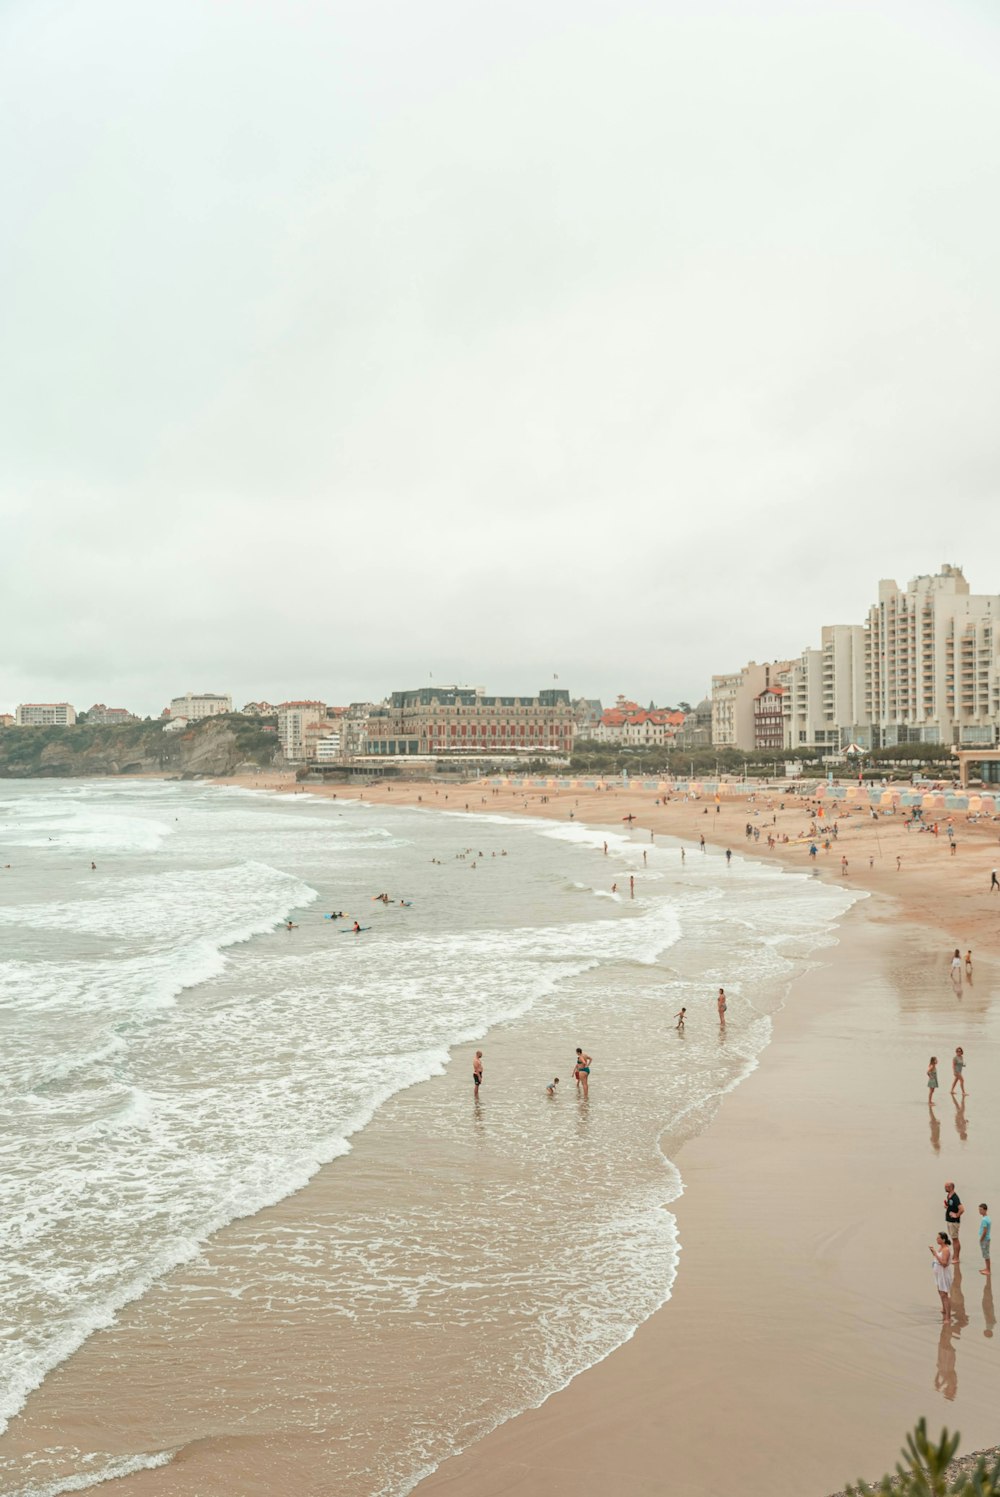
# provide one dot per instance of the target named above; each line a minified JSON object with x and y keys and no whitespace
{"x":347,"y":343}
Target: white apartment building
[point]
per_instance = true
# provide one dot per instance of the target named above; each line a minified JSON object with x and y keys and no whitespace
{"x":301,"y":725}
{"x":826,"y":692}
{"x":44,"y":715}
{"x":328,"y":749}
{"x":934,"y":671}
{"x":196,"y":705}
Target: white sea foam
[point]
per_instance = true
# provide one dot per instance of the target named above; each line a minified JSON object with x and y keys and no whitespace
{"x":110,"y":1470}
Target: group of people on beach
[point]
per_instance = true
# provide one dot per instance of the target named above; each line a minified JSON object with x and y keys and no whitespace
{"x":721,"y":1004}
{"x":947,"y":1249}
{"x":957,"y":1072}
{"x":581,"y":1074}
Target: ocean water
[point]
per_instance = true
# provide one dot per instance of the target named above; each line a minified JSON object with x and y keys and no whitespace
{"x":175,"y":1062}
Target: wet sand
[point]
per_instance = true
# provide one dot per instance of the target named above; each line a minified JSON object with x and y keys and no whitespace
{"x":803,"y":1336}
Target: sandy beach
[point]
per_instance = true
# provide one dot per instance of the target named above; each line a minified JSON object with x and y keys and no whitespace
{"x":803,"y":1336}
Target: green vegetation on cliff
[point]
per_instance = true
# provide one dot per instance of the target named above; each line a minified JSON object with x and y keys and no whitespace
{"x":216,"y":746}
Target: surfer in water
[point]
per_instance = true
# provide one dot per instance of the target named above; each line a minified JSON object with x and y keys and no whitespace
{"x":356,"y":928}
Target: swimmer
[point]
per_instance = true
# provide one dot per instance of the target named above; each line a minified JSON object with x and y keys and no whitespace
{"x":290,"y":925}
{"x":551,"y":1088}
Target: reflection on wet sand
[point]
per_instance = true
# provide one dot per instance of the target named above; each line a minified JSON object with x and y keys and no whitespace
{"x":961,"y":1124}
{"x":946,"y":1377}
{"x":935,"y":1132}
{"x":989,"y":1314}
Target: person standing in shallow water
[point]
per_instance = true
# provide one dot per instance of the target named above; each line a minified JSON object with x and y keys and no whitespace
{"x":477,"y":1072}
{"x":957,"y":1067}
{"x":953,"y":1212}
{"x":932,"y":1080}
{"x":582,"y":1071}
{"x":943,"y":1272}
{"x":722,"y":1005}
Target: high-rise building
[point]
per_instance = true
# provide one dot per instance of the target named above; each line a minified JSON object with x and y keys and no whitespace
{"x":45,"y":715}
{"x":932,"y":660}
{"x":826,"y":692}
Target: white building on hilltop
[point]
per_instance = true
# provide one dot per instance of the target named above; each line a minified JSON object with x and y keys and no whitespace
{"x":196,"y":705}
{"x":45,"y":715}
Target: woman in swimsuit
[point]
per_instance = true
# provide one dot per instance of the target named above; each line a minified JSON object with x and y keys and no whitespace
{"x":582,"y":1071}
{"x":957,"y":1067}
{"x":943,"y":1272}
{"x":722,"y":1005}
{"x":932,"y":1081}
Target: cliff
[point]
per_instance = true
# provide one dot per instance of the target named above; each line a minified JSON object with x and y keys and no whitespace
{"x":216,"y":746}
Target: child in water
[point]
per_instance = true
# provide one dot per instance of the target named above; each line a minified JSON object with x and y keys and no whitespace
{"x":551,"y":1088}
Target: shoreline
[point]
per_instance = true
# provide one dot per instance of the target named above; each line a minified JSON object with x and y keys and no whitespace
{"x":535,"y":1450}
{"x":673,"y":1352}
{"x":770,"y":1359}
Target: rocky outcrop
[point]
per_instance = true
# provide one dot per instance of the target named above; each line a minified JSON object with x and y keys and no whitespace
{"x":217,"y":746}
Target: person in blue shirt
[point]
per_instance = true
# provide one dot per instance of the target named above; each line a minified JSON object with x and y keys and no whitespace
{"x":984,"y":1236}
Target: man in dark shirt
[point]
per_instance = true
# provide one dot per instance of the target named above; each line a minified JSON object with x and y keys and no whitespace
{"x":953,"y":1209}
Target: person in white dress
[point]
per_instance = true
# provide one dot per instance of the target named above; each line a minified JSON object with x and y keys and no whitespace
{"x":943,"y":1272}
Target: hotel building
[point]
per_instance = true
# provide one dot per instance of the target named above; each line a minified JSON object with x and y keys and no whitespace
{"x":196,"y":705}
{"x":932,"y":660}
{"x":464,"y":720}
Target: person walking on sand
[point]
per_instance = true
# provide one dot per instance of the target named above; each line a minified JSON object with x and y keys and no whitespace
{"x":994,"y":882}
{"x":956,"y":968}
{"x":582,"y":1071}
{"x":680,"y":1018}
{"x":957,"y":1067}
{"x":953,"y":1213}
{"x":984,"y":1236}
{"x":943,"y":1272}
{"x":932,"y":1080}
{"x":968,"y":964}
{"x":477,"y":1073}
{"x":722,"y":1005}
